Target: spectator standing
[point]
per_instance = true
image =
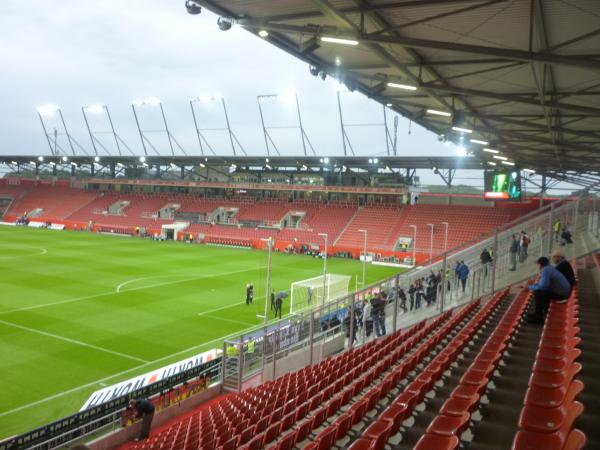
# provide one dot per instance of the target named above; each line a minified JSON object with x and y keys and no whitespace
{"x":463,"y":275}
{"x":411,"y":294}
{"x":366,"y":315}
{"x":278,"y":305}
{"x":144,"y":409}
{"x":551,"y":286}
{"x":557,"y":228}
{"x":378,"y":314}
{"x":523,"y":246}
{"x":249,"y":293}
{"x":272,"y":299}
{"x":514,"y":249}
{"x":402,"y":297}
{"x":485,"y":259}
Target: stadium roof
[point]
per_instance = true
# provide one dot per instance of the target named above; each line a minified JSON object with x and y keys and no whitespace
{"x":523,"y":76}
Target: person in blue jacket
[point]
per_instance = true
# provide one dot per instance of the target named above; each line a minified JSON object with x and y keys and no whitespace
{"x":552,"y":286}
{"x":462,"y":271}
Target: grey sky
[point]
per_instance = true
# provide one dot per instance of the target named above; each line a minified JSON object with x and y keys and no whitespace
{"x":73,"y":53}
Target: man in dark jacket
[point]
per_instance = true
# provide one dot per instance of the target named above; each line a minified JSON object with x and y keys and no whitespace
{"x":563,"y":266}
{"x":485,"y":259}
{"x":378,"y":314}
{"x":514,"y":249}
{"x":144,"y":409}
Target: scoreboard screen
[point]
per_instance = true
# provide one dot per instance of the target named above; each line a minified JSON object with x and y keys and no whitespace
{"x":502,"y":185}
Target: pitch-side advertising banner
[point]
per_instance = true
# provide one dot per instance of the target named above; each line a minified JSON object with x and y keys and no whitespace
{"x":125,"y":387}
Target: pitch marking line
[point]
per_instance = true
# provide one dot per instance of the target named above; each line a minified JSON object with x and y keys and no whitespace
{"x":73,"y":341}
{"x":220,"y":308}
{"x":110,"y":377}
{"x":149,"y":286}
{"x":42,"y":252}
{"x":223,"y":319}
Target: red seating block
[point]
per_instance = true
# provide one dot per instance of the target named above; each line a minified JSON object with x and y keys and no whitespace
{"x":449,"y":425}
{"x":435,"y":442}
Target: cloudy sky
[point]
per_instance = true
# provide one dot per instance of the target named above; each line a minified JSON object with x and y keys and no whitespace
{"x":73,"y":53}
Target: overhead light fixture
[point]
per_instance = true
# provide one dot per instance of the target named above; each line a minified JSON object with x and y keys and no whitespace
{"x":375,"y":161}
{"x":263,"y":33}
{"x":477,"y":141}
{"x":491,"y":163}
{"x":73,"y":163}
{"x":33,"y":163}
{"x":47,"y":110}
{"x":304,"y":167}
{"x":14,"y":163}
{"x":336,"y":40}
{"x":268,"y":167}
{"x":326,"y":160}
{"x":502,"y":158}
{"x":224,"y":23}
{"x":338,"y":61}
{"x":40,"y":158}
{"x":389,"y":105}
{"x":65,"y":159}
{"x":508,"y":163}
{"x":435,"y":112}
{"x":192,"y":7}
{"x":490,"y":150}
{"x":142,"y":159}
{"x":529,"y":170}
{"x":151,"y":101}
{"x":406,"y":87}
{"x":94,"y":109}
{"x":462,"y":130}
{"x":52,"y":163}
{"x":201,"y":165}
{"x":96,"y":159}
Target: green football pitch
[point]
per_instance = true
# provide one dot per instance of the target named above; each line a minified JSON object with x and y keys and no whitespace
{"x":80,"y":311}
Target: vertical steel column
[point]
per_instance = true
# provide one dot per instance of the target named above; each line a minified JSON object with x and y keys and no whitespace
{"x":137,"y":122}
{"x":550,"y":227}
{"x":495,"y":261}
{"x":444,"y":283}
{"x":311,"y":334}
{"x":342,"y":124}
{"x":351,"y":311}
{"x":396,"y":287}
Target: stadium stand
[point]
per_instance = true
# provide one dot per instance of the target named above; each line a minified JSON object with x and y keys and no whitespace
{"x":378,"y":221}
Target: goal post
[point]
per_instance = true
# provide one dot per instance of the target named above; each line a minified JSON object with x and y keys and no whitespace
{"x":317,"y":291}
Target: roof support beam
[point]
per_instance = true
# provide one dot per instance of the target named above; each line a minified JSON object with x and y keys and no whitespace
{"x":517,"y":55}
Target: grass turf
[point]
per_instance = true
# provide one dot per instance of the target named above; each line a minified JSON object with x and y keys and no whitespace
{"x":79,"y":311}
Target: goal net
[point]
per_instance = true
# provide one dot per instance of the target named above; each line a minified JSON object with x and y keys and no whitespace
{"x":318,"y":291}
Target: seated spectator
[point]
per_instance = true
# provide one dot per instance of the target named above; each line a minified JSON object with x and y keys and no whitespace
{"x":563,"y":266}
{"x":565,"y":237}
{"x":551,"y":286}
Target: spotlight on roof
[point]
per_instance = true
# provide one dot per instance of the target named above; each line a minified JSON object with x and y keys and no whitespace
{"x":326,"y":160}
{"x":314,"y":70}
{"x":40,"y":158}
{"x":263,"y":33}
{"x":436,"y":112}
{"x":94,"y":109}
{"x":338,"y":61}
{"x":389,"y":105}
{"x":508,"y":163}
{"x":96,"y":159}
{"x":477,"y":141}
{"x":47,"y":110}
{"x":142,"y":159}
{"x":406,"y":87}
{"x":491,"y":150}
{"x":529,"y":170}
{"x":462,"y":130}
{"x":224,"y":23}
{"x":192,"y":7}
{"x":336,"y":40}
{"x":65,"y":159}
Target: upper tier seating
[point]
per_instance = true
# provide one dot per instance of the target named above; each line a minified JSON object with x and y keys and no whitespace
{"x":56,"y":203}
{"x":378,"y":221}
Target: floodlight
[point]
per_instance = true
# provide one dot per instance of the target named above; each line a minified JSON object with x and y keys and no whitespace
{"x":490,"y":150}
{"x":326,"y":160}
{"x":435,"y":112}
{"x":389,"y":105}
{"x":52,"y":163}
{"x":142,"y":159}
{"x":14,"y":163}
{"x":477,"y":141}
{"x":192,"y":7}
{"x":73,"y":163}
{"x":508,"y":163}
{"x":502,"y":158}
{"x":338,"y":61}
{"x":529,"y":170}
{"x":96,"y":159}
{"x":462,"y":130}
{"x":32,"y":163}
{"x":47,"y":110}
{"x":335,"y":40}
{"x":65,"y":159}
{"x":268,"y":167}
{"x":224,"y":23}
{"x":375,"y":161}
{"x":491,"y":163}
{"x":40,"y":158}
{"x":402,"y":86}
{"x":94,"y":109}
{"x":263,"y":33}
{"x":201,"y":165}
